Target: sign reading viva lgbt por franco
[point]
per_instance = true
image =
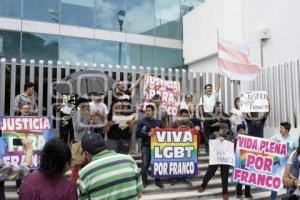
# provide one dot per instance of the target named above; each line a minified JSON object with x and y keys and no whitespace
{"x":37,"y":129}
{"x":174,"y":153}
{"x":260,"y":162}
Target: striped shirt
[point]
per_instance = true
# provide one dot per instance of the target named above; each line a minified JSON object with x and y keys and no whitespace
{"x":110,"y":176}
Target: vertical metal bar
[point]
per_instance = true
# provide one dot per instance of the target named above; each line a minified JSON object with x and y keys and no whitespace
{"x":67,"y":66}
{"x":118,"y":73}
{"x":191,"y":82}
{"x":170,"y":74}
{"x":177,"y":77}
{"x":162,"y":73}
{"x":2,"y":86}
{"x":183,"y":82}
{"x":23,"y":74}
{"x":155,"y":71}
{"x":297,"y":89}
{"x":125,"y":71}
{"x":110,"y":93}
{"x":41,"y":84}
{"x":12,"y":86}
{"x":31,"y":71}
{"x":198,"y":87}
{"x":290,"y":96}
{"x":49,"y":93}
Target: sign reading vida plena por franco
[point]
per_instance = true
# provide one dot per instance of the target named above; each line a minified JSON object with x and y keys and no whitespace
{"x":174,"y":153}
{"x":260,"y":162}
{"x":37,"y":129}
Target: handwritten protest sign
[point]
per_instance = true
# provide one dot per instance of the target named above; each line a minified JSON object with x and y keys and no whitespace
{"x":174,"y":153}
{"x":221,"y":152}
{"x":168,"y":90}
{"x":260,"y":162}
{"x":254,"y":101}
{"x":38,"y":129}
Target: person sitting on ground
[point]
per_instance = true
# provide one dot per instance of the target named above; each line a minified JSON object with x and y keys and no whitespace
{"x":49,"y":182}
{"x":108,"y":175}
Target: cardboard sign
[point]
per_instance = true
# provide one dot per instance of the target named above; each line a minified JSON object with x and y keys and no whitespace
{"x":221,"y":152}
{"x":38,"y":129}
{"x":254,"y":101}
{"x":260,"y":162}
{"x":168,"y":90}
{"x":174,"y":153}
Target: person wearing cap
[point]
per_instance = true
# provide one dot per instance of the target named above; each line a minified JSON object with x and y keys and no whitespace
{"x":222,"y":135}
{"x":98,"y":111}
{"x":160,"y":112}
{"x":108,"y":175}
{"x":144,"y":131}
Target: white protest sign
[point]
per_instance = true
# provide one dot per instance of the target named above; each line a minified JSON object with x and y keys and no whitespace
{"x":254,"y":101}
{"x":221,"y":152}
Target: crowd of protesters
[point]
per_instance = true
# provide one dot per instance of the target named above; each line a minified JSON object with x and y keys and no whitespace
{"x":95,"y":143}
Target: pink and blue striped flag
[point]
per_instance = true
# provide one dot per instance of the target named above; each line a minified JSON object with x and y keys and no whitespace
{"x":234,"y":61}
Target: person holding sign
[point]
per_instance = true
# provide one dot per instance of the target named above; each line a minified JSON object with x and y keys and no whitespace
{"x":291,"y":175}
{"x":223,"y":134}
{"x":256,"y":123}
{"x":144,"y":131}
{"x":290,"y":141}
{"x":206,"y":105}
{"x":236,"y":116}
{"x":241,"y":130}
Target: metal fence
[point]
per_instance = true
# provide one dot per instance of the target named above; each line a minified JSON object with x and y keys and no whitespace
{"x":282,"y":84}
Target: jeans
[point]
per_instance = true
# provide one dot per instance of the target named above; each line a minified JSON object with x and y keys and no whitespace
{"x":240,"y":192}
{"x":2,"y":189}
{"x":146,"y":159}
{"x":211,"y":172}
{"x":119,"y":146}
{"x":273,"y":195}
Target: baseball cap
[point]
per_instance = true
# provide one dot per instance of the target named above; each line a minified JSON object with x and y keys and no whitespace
{"x":224,"y":126}
{"x":156,"y":97}
{"x":93,"y":143}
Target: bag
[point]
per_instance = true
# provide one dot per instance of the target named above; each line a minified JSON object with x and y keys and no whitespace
{"x":77,"y":157}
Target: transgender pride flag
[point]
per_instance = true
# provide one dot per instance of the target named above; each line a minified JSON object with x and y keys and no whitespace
{"x":233,"y":61}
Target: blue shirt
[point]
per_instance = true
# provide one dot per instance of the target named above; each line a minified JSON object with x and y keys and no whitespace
{"x":291,"y":142}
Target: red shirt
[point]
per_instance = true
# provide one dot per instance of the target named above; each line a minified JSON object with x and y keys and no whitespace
{"x":38,"y":187}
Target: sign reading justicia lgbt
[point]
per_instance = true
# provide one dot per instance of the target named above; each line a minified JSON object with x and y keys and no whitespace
{"x":174,"y":153}
{"x":168,"y":90}
{"x":260,"y":162}
{"x":37,"y":129}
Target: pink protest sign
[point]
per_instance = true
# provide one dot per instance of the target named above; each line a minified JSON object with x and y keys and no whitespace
{"x":168,"y":90}
{"x":260,"y":162}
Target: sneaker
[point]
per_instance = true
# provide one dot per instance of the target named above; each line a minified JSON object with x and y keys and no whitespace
{"x":225,"y":196}
{"x":159,"y":184}
{"x":248,"y":196}
{"x":201,"y":189}
{"x":188,"y":182}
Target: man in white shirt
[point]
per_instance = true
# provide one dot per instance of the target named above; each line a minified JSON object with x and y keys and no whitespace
{"x":188,"y":99}
{"x":98,"y":112}
{"x":206,"y":106}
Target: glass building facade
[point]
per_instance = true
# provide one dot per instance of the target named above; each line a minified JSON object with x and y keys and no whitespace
{"x":154,"y":18}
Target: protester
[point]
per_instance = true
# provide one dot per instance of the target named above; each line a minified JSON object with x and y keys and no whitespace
{"x":291,"y":175}
{"x":108,"y":175}
{"x":82,"y":124}
{"x":236,"y":116}
{"x":26,"y":97}
{"x":183,"y":121}
{"x":119,"y":128}
{"x":213,"y":122}
{"x":13,"y":172}
{"x":241,"y":130}
{"x":291,"y":142}
{"x":144,"y":132}
{"x":99,"y":112}
{"x":24,"y":109}
{"x":160,"y":112}
{"x":188,"y":99}
{"x":223,"y":134}
{"x":49,"y":182}
{"x":256,"y":123}
{"x":66,"y":109}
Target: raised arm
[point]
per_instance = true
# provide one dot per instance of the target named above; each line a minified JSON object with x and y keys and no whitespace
{"x":136,"y":83}
{"x":218,"y":83}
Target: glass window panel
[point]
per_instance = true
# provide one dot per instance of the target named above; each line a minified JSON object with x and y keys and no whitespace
{"x":167,"y":18}
{"x":108,"y":13}
{"x":9,"y":44}
{"x":39,"y":46}
{"x":108,"y":52}
{"x":139,"y":55}
{"x":77,"y":12}
{"x":41,"y":10}
{"x":166,"y":57}
{"x":76,"y":50}
{"x":10,"y":8}
{"x":140,"y":17}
